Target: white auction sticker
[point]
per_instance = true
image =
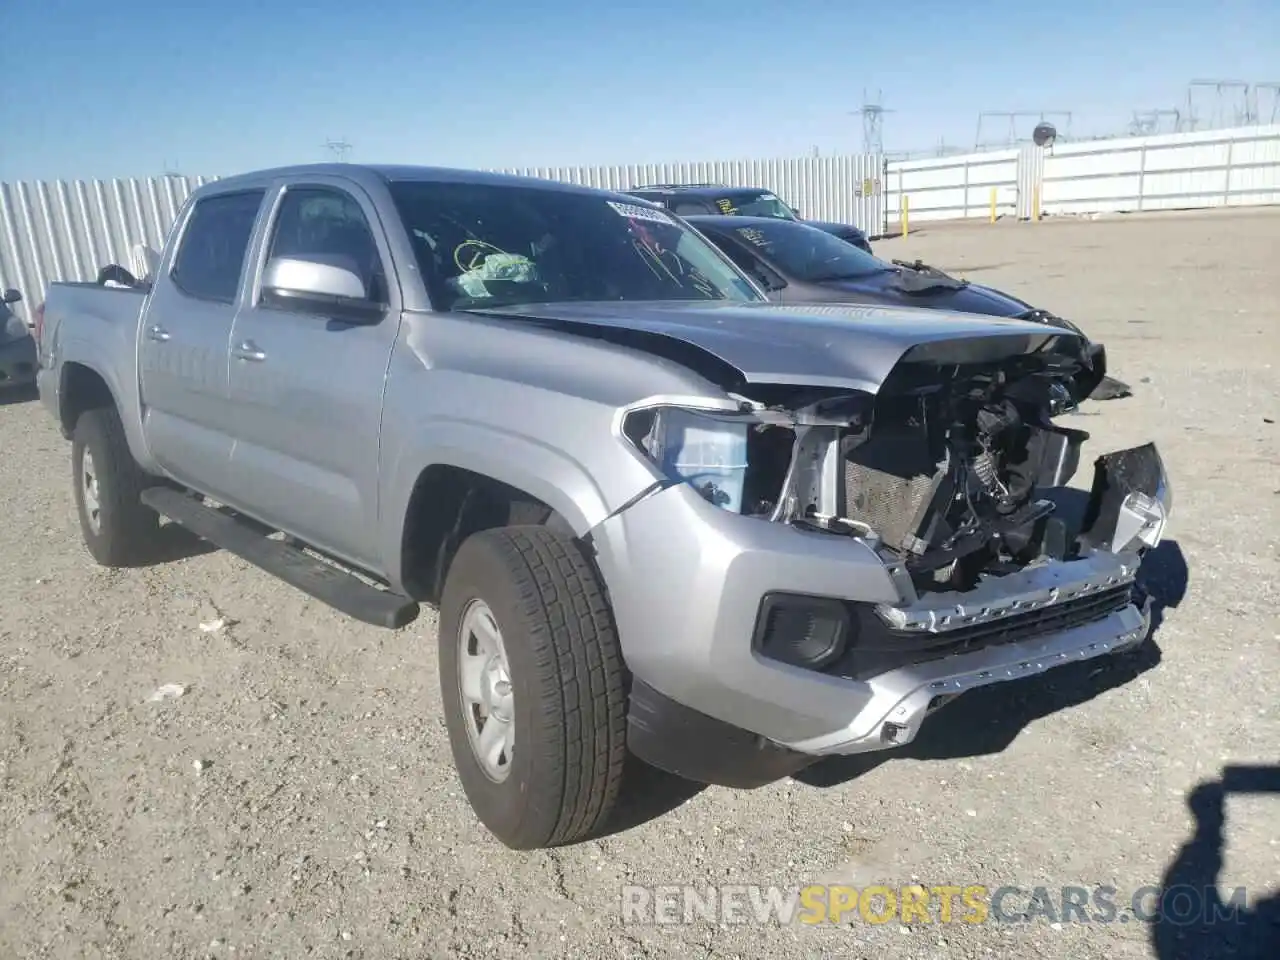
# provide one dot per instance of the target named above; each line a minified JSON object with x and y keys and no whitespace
{"x":636,"y":212}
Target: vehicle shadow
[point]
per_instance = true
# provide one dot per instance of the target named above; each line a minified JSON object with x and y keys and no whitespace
{"x":1193,"y":921}
{"x":648,"y":794}
{"x":15,"y":395}
{"x":175,"y":543}
{"x":987,"y":720}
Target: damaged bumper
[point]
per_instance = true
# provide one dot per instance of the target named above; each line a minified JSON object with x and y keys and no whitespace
{"x":711,"y":607}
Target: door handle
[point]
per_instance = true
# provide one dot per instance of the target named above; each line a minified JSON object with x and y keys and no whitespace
{"x":157,"y":333}
{"x":248,"y":350}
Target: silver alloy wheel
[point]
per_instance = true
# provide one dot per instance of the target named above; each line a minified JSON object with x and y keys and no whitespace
{"x":89,"y":488}
{"x":484,"y":680}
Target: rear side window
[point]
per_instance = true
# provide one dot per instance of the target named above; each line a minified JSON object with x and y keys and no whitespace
{"x":212,"y":255}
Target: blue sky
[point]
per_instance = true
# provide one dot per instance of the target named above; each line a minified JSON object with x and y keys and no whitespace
{"x":135,"y":87}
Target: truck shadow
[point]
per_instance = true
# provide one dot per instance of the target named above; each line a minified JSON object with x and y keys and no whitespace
{"x":987,"y":720}
{"x":648,"y":794}
{"x":176,"y":543}
{"x":15,"y":395}
{"x":1192,"y":920}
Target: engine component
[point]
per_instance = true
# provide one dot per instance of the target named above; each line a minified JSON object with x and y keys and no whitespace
{"x":892,"y":483}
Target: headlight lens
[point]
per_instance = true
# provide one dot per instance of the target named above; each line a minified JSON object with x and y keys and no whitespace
{"x":703,"y":448}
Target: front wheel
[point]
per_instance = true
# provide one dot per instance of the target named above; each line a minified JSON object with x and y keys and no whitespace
{"x":533,"y":686}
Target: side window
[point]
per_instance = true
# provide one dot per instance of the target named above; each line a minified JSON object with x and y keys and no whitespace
{"x":749,"y":264}
{"x":690,"y":208}
{"x":327,"y":226}
{"x":209,"y":262}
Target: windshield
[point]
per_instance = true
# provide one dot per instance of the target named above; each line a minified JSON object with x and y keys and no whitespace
{"x":755,"y":205}
{"x":484,"y":245}
{"x":808,"y":254}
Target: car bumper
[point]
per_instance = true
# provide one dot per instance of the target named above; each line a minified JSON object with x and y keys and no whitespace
{"x":18,"y":363}
{"x":688,"y":581}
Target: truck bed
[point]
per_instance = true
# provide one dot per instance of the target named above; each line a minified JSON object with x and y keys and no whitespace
{"x":87,"y":320}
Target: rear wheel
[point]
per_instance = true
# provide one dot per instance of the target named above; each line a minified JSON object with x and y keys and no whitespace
{"x":117,"y":528}
{"x":533,"y":686}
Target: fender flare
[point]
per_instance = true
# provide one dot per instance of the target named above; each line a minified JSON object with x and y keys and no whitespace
{"x":81,"y":353}
{"x":544,"y":472}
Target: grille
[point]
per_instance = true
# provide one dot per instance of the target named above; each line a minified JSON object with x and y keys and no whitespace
{"x":889,"y":482}
{"x":879,"y":648}
{"x":1021,"y":626}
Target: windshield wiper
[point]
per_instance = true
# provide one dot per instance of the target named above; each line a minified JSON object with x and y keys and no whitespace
{"x":919,"y":266}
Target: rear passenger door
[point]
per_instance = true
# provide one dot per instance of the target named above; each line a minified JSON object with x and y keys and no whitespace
{"x":184,"y":341}
{"x":307,"y":387}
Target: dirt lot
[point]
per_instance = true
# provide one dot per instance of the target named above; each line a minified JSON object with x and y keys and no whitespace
{"x":298,"y":799}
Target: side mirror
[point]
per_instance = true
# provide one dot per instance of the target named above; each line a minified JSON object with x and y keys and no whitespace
{"x":12,"y":296}
{"x":314,"y":286}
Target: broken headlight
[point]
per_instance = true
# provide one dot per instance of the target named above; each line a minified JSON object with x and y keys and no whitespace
{"x":1141,"y":518}
{"x":706,"y":449}
{"x":1130,"y":502}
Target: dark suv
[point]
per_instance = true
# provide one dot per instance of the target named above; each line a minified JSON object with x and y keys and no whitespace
{"x":693,"y":199}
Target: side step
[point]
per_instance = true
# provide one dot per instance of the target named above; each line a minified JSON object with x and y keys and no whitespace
{"x":326,"y":583}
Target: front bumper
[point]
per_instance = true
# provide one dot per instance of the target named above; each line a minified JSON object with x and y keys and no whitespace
{"x":18,"y":363}
{"x":687,"y":581}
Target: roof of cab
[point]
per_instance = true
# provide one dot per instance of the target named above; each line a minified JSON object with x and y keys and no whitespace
{"x":368,"y":174}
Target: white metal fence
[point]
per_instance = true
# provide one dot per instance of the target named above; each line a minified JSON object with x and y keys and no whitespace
{"x":1211,"y":168}
{"x":68,"y":231}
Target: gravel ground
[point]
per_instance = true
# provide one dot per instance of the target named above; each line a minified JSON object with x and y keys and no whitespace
{"x":298,"y":799}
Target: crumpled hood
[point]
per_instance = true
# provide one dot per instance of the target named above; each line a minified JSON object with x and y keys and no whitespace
{"x":820,"y":345}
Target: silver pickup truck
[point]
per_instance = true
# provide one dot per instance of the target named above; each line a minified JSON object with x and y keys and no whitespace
{"x":658,"y":514}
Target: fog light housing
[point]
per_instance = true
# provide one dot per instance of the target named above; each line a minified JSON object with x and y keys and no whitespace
{"x":808,"y":632}
{"x":1141,"y":518}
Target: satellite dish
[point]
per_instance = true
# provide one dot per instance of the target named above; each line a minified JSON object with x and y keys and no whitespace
{"x":1044,"y":134}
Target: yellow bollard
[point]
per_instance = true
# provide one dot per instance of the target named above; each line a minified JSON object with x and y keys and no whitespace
{"x":993,"y":204}
{"x":905,"y":217}
{"x":1035,"y":203}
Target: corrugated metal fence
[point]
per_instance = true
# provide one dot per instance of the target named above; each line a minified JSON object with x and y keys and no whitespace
{"x":843,"y":189}
{"x":68,"y":231}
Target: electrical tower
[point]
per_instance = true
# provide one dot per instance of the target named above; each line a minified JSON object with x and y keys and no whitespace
{"x":1148,"y":122}
{"x":872,"y":112}
{"x":1230,"y":106}
{"x":339,"y":149}
{"x":1267,"y":102}
{"x":1007,"y":121}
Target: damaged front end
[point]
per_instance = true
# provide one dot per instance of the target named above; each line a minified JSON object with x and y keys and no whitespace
{"x":955,"y":475}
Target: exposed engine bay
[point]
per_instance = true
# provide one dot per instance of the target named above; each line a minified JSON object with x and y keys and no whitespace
{"x":943,"y":472}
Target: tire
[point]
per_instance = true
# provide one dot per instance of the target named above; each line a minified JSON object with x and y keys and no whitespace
{"x":566,"y":681}
{"x":119,"y":531}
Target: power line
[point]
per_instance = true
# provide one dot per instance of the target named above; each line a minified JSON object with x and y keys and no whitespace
{"x":1008,"y":120}
{"x":339,"y":149}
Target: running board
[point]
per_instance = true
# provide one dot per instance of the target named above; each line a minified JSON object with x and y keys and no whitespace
{"x":328,"y":584}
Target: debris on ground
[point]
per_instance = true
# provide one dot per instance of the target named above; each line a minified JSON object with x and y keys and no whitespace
{"x":170,"y":691}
